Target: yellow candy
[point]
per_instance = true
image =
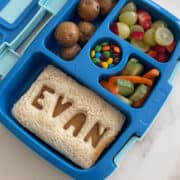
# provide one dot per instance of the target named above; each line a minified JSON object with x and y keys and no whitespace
{"x":93,"y":53}
{"x":110,"y":61}
{"x":104,"y":65}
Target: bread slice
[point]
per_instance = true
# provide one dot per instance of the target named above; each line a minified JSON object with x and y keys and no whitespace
{"x":69,"y":117}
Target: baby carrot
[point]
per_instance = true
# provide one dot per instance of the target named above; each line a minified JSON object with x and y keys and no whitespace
{"x":152,"y":74}
{"x":133,"y":79}
{"x":110,"y":87}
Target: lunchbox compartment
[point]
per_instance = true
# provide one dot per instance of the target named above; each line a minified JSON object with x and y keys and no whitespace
{"x":69,"y":15}
{"x":146,"y":67}
{"x":112,"y":42}
{"x":157,"y":14}
{"x":22,"y":79}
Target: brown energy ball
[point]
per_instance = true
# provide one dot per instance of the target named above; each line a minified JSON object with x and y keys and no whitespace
{"x":88,"y":9}
{"x":106,"y":6}
{"x":86,"y":31}
{"x":67,"y":34}
{"x":70,"y":52}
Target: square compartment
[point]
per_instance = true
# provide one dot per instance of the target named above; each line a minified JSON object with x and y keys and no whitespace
{"x":157,"y":13}
{"x":68,"y":15}
{"x":19,"y":82}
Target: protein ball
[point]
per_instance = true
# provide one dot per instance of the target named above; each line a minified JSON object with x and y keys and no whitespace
{"x":106,"y":6}
{"x":70,"y":52}
{"x":67,"y":34}
{"x":88,"y":9}
{"x":86,"y":31}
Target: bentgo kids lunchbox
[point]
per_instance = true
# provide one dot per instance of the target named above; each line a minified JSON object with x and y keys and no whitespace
{"x":27,"y":45}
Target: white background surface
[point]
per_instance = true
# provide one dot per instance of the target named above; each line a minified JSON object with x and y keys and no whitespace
{"x":157,"y":157}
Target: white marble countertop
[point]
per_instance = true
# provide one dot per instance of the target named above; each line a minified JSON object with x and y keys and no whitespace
{"x":156,"y":157}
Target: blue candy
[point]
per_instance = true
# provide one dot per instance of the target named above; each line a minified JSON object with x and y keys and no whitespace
{"x":98,"y":55}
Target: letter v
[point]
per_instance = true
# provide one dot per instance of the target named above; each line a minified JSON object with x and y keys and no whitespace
{"x":60,"y":107}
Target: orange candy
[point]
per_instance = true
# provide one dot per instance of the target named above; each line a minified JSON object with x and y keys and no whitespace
{"x":116,"y":49}
{"x":106,"y":48}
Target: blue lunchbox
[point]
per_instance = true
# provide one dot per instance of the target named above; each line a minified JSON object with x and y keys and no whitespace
{"x":27,"y":46}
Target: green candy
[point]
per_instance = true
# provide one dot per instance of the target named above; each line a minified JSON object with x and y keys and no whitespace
{"x":96,"y":60}
{"x":107,"y":53}
{"x":98,"y":48}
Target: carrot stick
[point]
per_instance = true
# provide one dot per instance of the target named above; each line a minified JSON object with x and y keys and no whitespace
{"x":139,"y":103}
{"x":133,"y":79}
{"x":152,"y":74}
{"x":110,"y":87}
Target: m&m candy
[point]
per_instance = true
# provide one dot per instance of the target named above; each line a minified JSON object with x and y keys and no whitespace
{"x":106,"y":55}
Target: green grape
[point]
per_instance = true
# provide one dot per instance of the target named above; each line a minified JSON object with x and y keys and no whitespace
{"x":163,"y":36}
{"x":123,"y":29}
{"x":129,"y":7}
{"x":136,"y":28}
{"x":149,"y":37}
{"x":140,"y":44}
{"x":158,"y":24}
{"x":129,"y":18}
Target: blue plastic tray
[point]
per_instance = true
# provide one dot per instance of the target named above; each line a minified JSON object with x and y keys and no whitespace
{"x":43,"y":51}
